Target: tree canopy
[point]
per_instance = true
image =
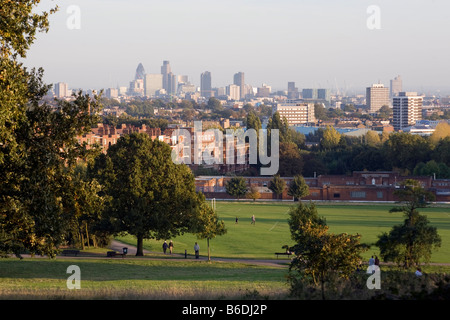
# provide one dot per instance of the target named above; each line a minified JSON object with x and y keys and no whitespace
{"x":150,"y":196}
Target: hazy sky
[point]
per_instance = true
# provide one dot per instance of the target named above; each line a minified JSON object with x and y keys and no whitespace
{"x":316,"y":43}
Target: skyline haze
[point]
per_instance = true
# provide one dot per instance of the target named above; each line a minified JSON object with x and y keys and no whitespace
{"x":313,"y":43}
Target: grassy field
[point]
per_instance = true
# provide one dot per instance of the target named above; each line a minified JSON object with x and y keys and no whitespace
{"x":158,"y":276}
{"x":271,"y":231}
{"x":36,"y":278}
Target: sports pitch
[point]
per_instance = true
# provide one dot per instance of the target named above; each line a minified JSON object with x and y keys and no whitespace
{"x":271,"y":231}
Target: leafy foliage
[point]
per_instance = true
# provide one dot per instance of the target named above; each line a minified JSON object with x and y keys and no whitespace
{"x":412,"y":242}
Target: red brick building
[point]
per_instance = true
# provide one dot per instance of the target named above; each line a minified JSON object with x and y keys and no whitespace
{"x":360,"y":186}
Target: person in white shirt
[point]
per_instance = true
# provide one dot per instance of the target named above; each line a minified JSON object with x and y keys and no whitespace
{"x":197,"y":250}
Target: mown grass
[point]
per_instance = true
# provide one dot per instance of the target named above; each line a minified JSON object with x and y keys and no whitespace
{"x":137,"y":278}
{"x":271,"y":231}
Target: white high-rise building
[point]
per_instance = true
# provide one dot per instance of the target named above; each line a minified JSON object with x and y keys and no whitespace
{"x":234,"y":92}
{"x":152,"y":84}
{"x":61,"y":90}
{"x":407,"y":110}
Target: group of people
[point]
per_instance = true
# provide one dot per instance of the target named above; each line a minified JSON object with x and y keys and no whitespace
{"x":169,"y":246}
{"x":253,"y":220}
{"x":374,"y":261}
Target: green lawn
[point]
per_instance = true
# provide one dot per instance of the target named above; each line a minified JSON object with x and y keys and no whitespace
{"x":271,"y":231}
{"x":144,"y":278}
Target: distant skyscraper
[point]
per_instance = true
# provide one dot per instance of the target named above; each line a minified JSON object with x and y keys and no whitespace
{"x":239,"y":80}
{"x":205,"y":85}
{"x":234,"y":92}
{"x":407,"y":109}
{"x":293,"y":93}
{"x":152,"y":83}
{"x":309,"y":94}
{"x":61,"y":90}
{"x":396,"y":86}
{"x":323,"y":94}
{"x":112,"y":93}
{"x":165,"y":70}
{"x":171,"y":83}
{"x":136,"y":87}
{"x":140,"y":72}
{"x":376,"y":97}
{"x":264,"y":91}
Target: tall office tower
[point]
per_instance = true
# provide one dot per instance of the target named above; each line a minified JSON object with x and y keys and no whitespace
{"x":376,"y":97}
{"x":396,"y":86}
{"x":152,"y":83}
{"x":407,"y":109}
{"x":239,"y":80}
{"x":165,"y":70}
{"x":264,"y":91}
{"x":136,"y":87}
{"x":112,"y":93}
{"x":234,"y":92}
{"x":293,"y":93}
{"x":205,"y":85}
{"x":323,"y":94}
{"x":309,"y":94}
{"x":140,"y":72}
{"x":171,"y":84}
{"x":61,"y":90}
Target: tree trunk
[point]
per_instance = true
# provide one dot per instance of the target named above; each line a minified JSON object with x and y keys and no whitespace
{"x":140,"y":245}
{"x":82,"y":240}
{"x":87,"y":236}
{"x":209,"y":254}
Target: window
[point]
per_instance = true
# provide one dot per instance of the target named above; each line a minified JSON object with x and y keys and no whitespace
{"x":336,"y":195}
{"x":358,"y":194}
{"x":379,"y":194}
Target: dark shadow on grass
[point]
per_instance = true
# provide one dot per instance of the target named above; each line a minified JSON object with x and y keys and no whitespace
{"x":112,"y":270}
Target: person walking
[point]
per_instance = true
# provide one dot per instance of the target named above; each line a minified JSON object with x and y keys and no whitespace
{"x":371,"y":268}
{"x":377,"y":261}
{"x":197,"y":250}
{"x":253,"y":220}
{"x":171,"y":246}
{"x":165,"y":246}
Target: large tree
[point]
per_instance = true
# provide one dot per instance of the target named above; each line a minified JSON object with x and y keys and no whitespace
{"x":150,"y":196}
{"x":237,"y":187}
{"x":298,"y":188}
{"x":320,"y":256}
{"x":207,"y":225}
{"x":277,"y":185}
{"x":412,"y":242}
{"x":38,"y":145}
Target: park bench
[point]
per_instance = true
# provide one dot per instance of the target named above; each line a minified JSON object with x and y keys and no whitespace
{"x":71,"y":252}
{"x":283,"y":254}
{"x":112,"y":254}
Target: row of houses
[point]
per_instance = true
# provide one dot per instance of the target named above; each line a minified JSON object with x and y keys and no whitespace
{"x":107,"y":135}
{"x":360,"y":186}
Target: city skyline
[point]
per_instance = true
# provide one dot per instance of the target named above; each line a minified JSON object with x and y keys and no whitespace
{"x":314,"y":44}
